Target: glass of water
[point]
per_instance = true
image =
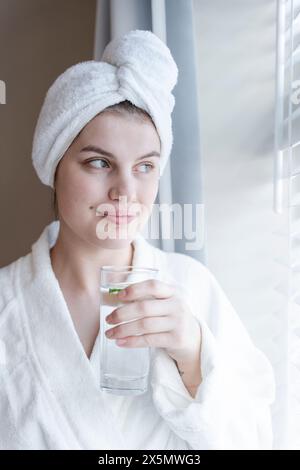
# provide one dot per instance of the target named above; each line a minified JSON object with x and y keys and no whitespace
{"x":123,"y":371}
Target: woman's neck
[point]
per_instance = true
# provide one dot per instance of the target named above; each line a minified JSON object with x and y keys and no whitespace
{"x":77,"y":265}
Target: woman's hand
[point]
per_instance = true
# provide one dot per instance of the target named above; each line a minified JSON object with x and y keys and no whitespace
{"x":162,"y":321}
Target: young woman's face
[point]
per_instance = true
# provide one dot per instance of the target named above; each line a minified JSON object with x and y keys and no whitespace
{"x":120,"y":183}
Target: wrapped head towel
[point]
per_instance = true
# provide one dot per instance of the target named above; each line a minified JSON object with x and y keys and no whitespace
{"x":137,"y":67}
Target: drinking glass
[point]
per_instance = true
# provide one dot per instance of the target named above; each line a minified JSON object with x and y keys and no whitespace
{"x":123,"y":371}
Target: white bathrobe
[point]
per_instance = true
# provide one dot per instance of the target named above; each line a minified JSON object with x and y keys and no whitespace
{"x":49,"y":392}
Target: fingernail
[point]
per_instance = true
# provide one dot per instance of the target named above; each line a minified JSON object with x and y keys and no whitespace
{"x":109,"y":333}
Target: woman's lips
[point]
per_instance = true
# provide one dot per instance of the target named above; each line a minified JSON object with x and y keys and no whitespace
{"x":120,"y":220}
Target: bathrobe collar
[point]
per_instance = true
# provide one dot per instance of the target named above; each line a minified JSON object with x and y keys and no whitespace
{"x":58,"y":349}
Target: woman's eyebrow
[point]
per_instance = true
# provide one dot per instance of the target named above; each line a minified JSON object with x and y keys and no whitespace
{"x":93,"y":148}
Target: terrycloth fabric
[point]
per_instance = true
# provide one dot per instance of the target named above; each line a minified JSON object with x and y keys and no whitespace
{"x":49,"y":393}
{"x":137,"y":67}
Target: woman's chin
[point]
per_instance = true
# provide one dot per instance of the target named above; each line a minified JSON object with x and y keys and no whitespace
{"x":118,"y":234}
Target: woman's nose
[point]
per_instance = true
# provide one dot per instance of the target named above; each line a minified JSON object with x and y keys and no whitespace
{"x":123,"y":186}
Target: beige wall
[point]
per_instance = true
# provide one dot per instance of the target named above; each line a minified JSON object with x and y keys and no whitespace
{"x":39,"y":39}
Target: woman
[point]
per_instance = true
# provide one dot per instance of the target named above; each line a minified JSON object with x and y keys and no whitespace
{"x":102,"y":141}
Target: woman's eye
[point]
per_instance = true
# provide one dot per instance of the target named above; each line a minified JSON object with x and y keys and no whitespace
{"x":97,"y":160}
{"x":101,"y":163}
{"x":149,"y":167}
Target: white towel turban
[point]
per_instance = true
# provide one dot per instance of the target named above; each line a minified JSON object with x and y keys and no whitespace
{"x":137,"y":67}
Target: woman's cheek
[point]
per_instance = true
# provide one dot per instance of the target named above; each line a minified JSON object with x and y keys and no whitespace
{"x":75,"y":201}
{"x":86,"y":188}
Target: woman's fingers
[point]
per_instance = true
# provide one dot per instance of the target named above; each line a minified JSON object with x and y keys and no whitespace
{"x":146,"y":325}
{"x":154,"y":340}
{"x":140,"y":309}
{"x":149,"y":288}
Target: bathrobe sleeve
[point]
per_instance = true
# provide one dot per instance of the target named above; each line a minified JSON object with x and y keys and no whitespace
{"x":231,"y":409}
